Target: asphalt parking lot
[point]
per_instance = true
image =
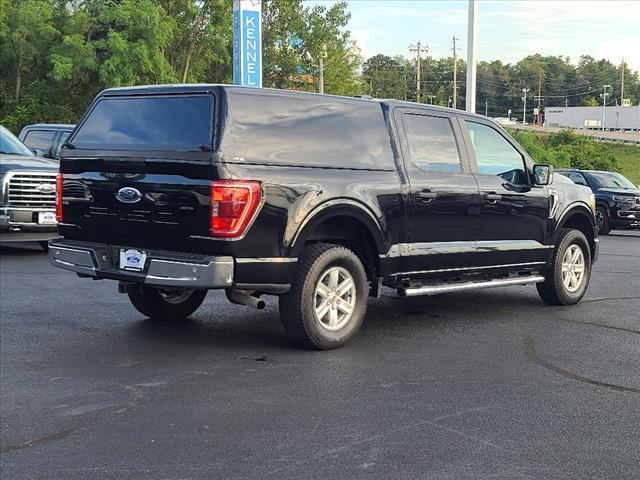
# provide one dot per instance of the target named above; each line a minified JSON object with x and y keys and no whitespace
{"x":490,"y":384}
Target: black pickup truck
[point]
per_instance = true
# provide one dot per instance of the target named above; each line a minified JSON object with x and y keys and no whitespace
{"x":321,"y":200}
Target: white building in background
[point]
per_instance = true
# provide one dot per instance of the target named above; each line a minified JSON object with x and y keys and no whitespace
{"x":615,"y":118}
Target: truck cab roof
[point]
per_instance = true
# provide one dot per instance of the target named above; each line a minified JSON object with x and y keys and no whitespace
{"x":215,"y":87}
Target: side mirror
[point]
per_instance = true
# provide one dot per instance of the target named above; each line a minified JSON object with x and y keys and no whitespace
{"x":543,"y":174}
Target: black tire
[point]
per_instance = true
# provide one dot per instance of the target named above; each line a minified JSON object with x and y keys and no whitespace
{"x":155,"y":304}
{"x":44,"y":245}
{"x":298,"y":307}
{"x":602,"y":219}
{"x":553,"y":290}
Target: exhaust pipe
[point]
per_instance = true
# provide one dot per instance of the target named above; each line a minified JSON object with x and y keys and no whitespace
{"x":243,"y":297}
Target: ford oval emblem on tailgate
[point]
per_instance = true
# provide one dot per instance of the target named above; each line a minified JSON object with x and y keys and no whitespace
{"x":128,"y":195}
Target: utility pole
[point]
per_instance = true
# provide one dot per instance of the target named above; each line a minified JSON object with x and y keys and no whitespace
{"x":404,"y":71}
{"x":622,"y":83}
{"x":486,"y":107}
{"x":321,"y":76}
{"x":524,"y":105}
{"x":455,"y":74}
{"x":471,"y":57}
{"x":604,"y":96}
{"x":539,"y":97}
{"x":418,"y":48}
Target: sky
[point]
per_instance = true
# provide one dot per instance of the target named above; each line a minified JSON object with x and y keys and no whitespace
{"x":508,"y":30}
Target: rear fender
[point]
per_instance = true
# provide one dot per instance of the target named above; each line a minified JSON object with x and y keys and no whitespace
{"x":338,"y":208}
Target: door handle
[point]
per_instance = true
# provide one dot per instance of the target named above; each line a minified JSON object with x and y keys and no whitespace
{"x":427,"y":195}
{"x":492,"y":197}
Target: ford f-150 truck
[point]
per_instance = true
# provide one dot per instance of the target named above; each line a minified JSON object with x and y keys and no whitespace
{"x":321,"y":200}
{"x":27,"y":193}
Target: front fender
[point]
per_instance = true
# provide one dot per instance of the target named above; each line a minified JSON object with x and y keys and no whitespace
{"x":573,"y":209}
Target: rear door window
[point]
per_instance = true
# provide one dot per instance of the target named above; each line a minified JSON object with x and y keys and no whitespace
{"x":40,"y":140}
{"x":432,"y":144}
{"x":181,"y":122}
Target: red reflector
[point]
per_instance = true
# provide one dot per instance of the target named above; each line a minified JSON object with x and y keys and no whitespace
{"x":59,"y":197}
{"x":233,"y":206}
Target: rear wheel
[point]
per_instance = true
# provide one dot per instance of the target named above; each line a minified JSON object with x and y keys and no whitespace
{"x":328,"y":297}
{"x":166,"y":303}
{"x":567,"y":279}
{"x":602,"y":220}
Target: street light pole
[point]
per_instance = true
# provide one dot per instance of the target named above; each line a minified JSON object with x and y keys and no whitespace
{"x":471,"y":57}
{"x":455,"y":74}
{"x":604,"y":96}
{"x":524,"y":105}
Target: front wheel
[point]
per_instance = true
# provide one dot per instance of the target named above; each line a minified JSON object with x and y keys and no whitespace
{"x":602,"y":220}
{"x":166,"y":303}
{"x":567,"y":279}
{"x":328,"y":297}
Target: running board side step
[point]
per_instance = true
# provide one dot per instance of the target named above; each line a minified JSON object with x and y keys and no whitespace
{"x":459,"y":287}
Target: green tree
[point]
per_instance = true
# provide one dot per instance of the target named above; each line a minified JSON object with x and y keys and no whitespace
{"x":282,"y":28}
{"x":325,"y":36}
{"x":26,"y":33}
{"x":389,"y":77}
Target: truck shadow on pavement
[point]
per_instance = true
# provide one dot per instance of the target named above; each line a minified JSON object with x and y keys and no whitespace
{"x":232,"y":332}
{"x":223,"y":326}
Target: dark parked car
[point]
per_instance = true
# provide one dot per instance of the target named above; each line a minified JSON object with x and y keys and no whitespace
{"x":27,"y":198}
{"x":617,"y":198}
{"x":175,"y":190}
{"x":46,"y":139}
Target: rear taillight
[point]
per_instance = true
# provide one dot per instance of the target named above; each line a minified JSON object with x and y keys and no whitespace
{"x":234,"y":204}
{"x":59,"y":197}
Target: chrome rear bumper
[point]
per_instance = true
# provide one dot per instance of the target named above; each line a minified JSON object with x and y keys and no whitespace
{"x":162,"y":269}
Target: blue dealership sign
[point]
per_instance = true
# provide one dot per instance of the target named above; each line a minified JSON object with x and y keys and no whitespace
{"x":247,"y":43}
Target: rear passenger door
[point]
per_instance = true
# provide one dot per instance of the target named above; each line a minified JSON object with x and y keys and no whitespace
{"x":514,"y":211}
{"x":443,"y":200}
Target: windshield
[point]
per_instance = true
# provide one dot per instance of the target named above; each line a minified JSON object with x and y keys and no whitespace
{"x":9,"y":144}
{"x":610,"y":180}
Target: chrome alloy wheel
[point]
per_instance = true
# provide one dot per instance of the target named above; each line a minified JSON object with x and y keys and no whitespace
{"x":334,"y":298}
{"x":175,"y":295}
{"x":573,"y":268}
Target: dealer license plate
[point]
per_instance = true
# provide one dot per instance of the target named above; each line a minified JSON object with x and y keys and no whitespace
{"x":47,"y":218}
{"x":131,"y":259}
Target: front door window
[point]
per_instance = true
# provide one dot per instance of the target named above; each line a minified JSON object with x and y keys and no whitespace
{"x":495,"y":155}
